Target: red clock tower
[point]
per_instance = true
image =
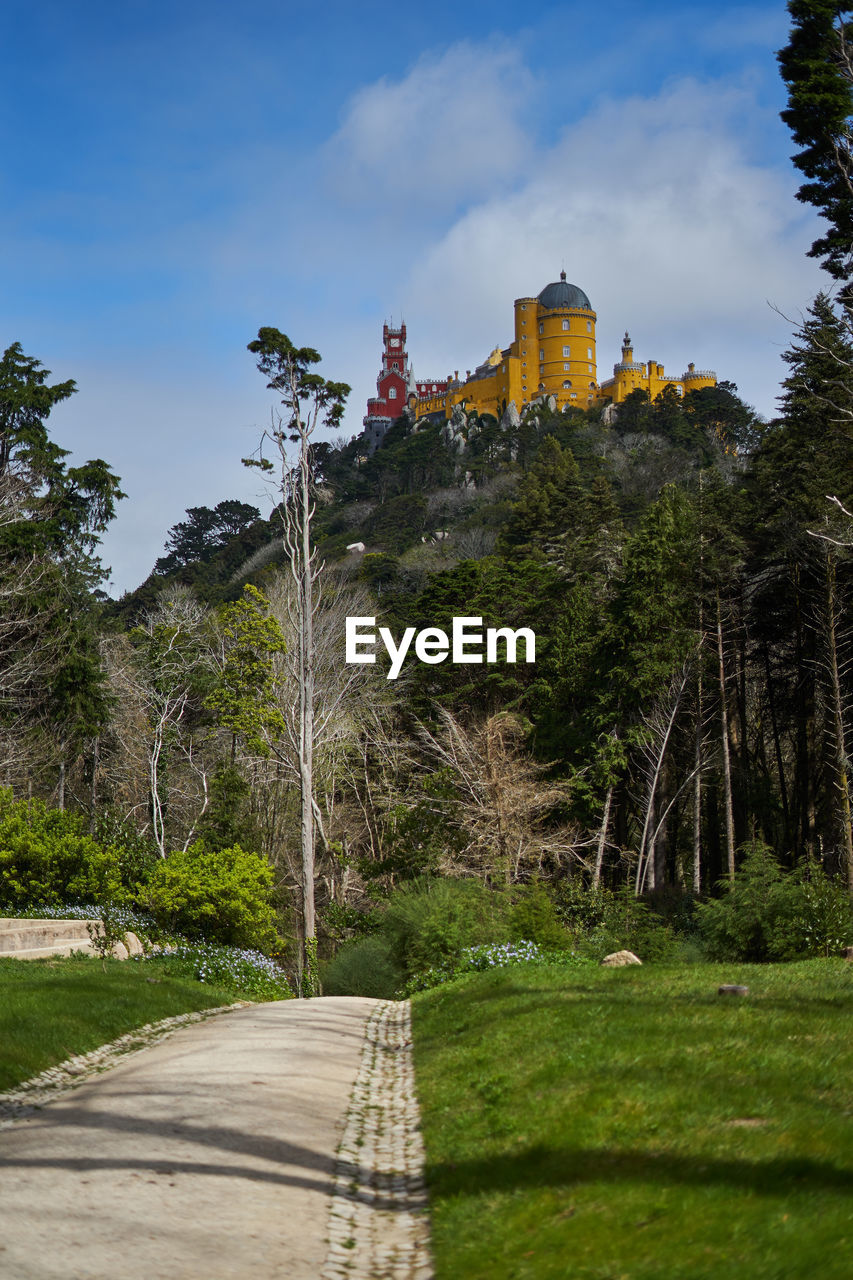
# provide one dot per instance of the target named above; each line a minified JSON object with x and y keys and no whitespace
{"x":392,"y":386}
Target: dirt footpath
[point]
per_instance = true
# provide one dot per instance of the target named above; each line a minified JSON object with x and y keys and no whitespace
{"x":207,"y":1156}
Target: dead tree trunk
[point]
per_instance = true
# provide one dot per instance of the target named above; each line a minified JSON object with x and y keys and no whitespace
{"x":836,"y":708}
{"x":724,"y":741}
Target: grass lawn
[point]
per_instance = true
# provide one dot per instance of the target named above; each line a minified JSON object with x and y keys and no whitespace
{"x":604,"y":1124}
{"x":53,"y":1009}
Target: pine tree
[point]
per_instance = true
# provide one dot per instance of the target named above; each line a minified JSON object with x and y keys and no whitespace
{"x":548,"y":498}
{"x":817,"y":67}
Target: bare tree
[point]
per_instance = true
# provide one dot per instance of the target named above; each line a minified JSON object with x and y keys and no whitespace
{"x":309,"y":402}
{"x":658,"y":728}
{"x":506,"y":807}
{"x":163,"y":754}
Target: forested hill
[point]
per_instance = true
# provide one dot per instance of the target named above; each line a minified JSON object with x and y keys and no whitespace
{"x":461,"y":479}
{"x":686,"y":615}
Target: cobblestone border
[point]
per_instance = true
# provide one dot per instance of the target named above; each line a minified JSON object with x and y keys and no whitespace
{"x":378,"y":1225}
{"x":34,"y":1093}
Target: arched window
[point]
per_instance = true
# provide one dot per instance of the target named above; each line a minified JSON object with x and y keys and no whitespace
{"x":567,"y":382}
{"x":392,"y":393}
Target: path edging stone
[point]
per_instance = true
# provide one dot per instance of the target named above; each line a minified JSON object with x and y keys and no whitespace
{"x":378,"y":1224}
{"x":30,"y":1095}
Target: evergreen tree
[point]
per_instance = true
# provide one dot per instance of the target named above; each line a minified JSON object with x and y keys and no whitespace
{"x":548,"y":499}
{"x":817,"y":67}
{"x":803,"y":458}
{"x":205,"y":531}
{"x":51,"y":517}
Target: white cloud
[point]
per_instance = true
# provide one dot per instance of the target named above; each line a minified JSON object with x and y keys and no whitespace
{"x":657,"y":209}
{"x":451,"y":129}
{"x":441,"y":202}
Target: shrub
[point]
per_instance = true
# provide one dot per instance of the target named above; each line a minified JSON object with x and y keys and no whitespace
{"x":823,"y":918}
{"x":533,"y":917}
{"x":220,"y":894}
{"x":363,"y":967}
{"x":429,"y":922}
{"x":494,"y":956}
{"x":771,"y":914}
{"x":600,"y":921}
{"x":47,"y":858}
{"x":138,"y":855}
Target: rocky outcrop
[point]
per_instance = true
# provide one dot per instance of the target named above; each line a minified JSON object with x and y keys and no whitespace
{"x":510,"y":418}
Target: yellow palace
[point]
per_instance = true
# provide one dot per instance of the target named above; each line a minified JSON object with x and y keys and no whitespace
{"x":552,"y":354}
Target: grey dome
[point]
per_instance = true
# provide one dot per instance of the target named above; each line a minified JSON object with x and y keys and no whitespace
{"x":563,"y":294}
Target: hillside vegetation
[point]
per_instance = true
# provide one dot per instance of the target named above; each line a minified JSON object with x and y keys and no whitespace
{"x":688,"y":701}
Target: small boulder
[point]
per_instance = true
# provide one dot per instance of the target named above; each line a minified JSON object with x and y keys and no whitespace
{"x":129,"y":946}
{"x":618,"y":959}
{"x":732,"y":989}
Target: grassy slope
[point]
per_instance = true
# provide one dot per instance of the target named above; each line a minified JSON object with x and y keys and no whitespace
{"x":632,"y":1124}
{"x":52,"y":1009}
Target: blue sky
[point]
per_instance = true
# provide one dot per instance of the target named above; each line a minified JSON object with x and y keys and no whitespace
{"x":173,"y":178}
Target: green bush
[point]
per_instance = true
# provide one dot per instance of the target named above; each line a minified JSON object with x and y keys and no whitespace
{"x":363,"y":967}
{"x":823,"y":918}
{"x":771,"y":914}
{"x":47,"y":858}
{"x":224,"y":895}
{"x":533,"y":917}
{"x":431,"y":921}
{"x":600,"y":921}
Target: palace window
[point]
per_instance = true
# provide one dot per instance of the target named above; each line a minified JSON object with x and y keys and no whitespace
{"x":541,"y":355}
{"x":589,"y":368}
{"x":392,"y":393}
{"x":567,"y":368}
{"x":589,"y":326}
{"x":567,"y":351}
{"x":589,"y":353}
{"x":541,"y":328}
{"x":565,"y":324}
{"x":567,"y":383}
